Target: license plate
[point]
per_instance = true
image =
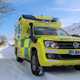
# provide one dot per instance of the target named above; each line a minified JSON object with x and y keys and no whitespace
{"x":74,"y":52}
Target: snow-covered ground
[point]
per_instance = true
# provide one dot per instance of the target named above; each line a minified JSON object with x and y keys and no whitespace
{"x":6,"y":52}
{"x":12,"y":70}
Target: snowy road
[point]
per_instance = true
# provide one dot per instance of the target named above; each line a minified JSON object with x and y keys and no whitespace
{"x":11,"y":70}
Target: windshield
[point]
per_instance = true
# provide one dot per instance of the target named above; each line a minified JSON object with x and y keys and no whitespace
{"x":49,"y":31}
{"x":62,"y":32}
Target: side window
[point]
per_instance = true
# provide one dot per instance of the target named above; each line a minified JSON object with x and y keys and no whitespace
{"x":18,"y":31}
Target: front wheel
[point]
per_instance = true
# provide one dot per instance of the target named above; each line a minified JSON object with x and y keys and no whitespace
{"x":35,"y":66}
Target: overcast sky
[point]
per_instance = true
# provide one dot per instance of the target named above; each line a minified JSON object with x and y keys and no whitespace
{"x":68,"y":12}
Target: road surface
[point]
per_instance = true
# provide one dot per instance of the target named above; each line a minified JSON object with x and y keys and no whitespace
{"x":12,"y":70}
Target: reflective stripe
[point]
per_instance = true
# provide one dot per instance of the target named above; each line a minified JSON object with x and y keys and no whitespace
{"x":26,"y":48}
{"x":26,"y":52}
{"x":27,"y":43}
{"x":22,"y":43}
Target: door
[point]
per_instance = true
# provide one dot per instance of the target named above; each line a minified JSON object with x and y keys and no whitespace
{"x":25,"y":42}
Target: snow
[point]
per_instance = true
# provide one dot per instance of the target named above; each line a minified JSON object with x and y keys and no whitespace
{"x":7,"y":52}
{"x":3,"y":47}
{"x":12,"y":70}
{"x":73,"y":29}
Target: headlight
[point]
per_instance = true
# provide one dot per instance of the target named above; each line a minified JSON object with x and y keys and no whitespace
{"x":51,"y":44}
{"x":47,"y":43}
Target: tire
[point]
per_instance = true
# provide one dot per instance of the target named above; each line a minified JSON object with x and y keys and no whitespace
{"x":36,"y":69}
{"x":18,"y":59}
{"x":77,"y":68}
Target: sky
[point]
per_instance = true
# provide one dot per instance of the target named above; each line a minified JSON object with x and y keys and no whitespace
{"x":67,"y":11}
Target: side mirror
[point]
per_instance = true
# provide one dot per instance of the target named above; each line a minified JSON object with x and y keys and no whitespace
{"x":31,"y":24}
{"x":33,"y":38}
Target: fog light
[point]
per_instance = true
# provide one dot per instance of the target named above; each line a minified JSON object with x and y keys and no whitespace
{"x":50,"y":56}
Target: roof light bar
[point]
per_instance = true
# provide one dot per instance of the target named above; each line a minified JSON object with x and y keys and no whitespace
{"x":34,"y":18}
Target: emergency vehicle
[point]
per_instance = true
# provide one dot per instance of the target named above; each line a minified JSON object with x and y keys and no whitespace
{"x":41,"y":41}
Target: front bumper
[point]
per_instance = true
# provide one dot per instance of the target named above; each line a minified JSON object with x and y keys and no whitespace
{"x":50,"y":63}
{"x":62,"y":58}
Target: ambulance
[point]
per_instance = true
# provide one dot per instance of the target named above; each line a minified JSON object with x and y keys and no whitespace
{"x":42,"y":42}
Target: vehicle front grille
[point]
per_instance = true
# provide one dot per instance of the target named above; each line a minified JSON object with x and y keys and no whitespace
{"x":63,"y":56}
{"x":68,"y":45}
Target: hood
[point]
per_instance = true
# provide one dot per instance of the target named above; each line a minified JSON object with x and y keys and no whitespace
{"x":60,"y":38}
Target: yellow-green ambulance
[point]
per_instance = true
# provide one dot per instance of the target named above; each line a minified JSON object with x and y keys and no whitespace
{"x":41,"y":41}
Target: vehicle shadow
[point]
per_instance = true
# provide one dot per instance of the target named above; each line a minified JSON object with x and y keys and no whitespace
{"x":59,"y":70}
